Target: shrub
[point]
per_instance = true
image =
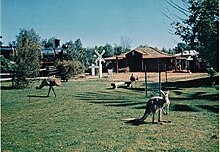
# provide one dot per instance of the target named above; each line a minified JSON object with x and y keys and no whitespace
{"x":26,"y":57}
{"x":69,"y":68}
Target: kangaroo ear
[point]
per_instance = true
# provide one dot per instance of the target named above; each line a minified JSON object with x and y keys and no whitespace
{"x":168,"y":92}
{"x":162,"y":92}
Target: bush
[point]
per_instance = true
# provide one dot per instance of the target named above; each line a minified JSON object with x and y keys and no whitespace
{"x":7,"y":66}
{"x":69,"y":68}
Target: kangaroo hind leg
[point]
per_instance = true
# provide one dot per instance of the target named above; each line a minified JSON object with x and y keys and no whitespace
{"x":48,"y":94}
{"x":153,"y":115}
{"x":160,"y":115}
{"x":53,"y":91}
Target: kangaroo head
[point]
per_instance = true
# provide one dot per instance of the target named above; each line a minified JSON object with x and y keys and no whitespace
{"x":165,"y":96}
{"x":166,"y":99}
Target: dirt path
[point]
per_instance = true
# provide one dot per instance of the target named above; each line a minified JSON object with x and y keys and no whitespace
{"x":152,"y":76}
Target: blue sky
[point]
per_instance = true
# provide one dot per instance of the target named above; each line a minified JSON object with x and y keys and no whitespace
{"x":95,"y":22}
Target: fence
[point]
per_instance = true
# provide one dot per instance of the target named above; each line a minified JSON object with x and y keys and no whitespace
{"x":153,"y":82}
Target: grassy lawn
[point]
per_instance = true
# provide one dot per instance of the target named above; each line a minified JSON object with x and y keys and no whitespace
{"x":86,"y":116}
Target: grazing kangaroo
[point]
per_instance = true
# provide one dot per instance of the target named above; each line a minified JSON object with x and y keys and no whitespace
{"x":133,"y":79}
{"x":155,"y":104}
{"x":51,"y":81}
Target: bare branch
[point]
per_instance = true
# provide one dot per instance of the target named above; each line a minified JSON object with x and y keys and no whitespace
{"x":185,"y":3}
{"x":175,"y":16}
{"x":177,"y":8}
{"x":171,"y":32}
{"x":163,"y":12}
{"x":186,"y":10}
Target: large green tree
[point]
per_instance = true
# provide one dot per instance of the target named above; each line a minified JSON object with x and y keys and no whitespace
{"x":71,"y":52}
{"x":109,"y":51}
{"x":48,"y":43}
{"x":27,"y":57}
{"x":200,"y":27}
{"x":76,"y":52}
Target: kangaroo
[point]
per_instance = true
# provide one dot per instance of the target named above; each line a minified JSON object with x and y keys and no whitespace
{"x":51,"y":81}
{"x":155,"y":104}
{"x":133,"y":79}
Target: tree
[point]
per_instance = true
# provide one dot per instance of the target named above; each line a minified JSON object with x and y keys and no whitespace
{"x":125,"y":43}
{"x":27,"y":57}
{"x":48,"y":43}
{"x":118,"y":49}
{"x":80,"y":52}
{"x":181,"y":47}
{"x":74,"y":50}
{"x":200,"y":27}
{"x":109,"y":51}
{"x":90,"y":56}
{"x":143,"y":46}
{"x":78,"y":44}
{"x":71,"y":53}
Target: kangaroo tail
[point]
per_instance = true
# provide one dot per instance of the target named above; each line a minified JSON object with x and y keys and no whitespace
{"x":40,"y":87}
{"x":144,"y":116}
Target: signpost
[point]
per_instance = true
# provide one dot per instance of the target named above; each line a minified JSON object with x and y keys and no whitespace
{"x":100,"y":59}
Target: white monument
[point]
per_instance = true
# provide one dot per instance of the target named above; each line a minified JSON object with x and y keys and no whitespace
{"x":100,"y":59}
{"x":92,"y":67}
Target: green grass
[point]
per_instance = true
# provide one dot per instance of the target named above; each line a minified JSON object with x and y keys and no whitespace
{"x":86,"y":116}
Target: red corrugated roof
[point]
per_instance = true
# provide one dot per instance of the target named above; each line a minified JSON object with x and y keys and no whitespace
{"x":147,"y":53}
{"x":152,"y":53}
{"x":121,"y":56}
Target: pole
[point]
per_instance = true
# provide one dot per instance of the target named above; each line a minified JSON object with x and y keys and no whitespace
{"x":159,"y":71}
{"x":116,"y":64}
{"x":166,"y":76}
{"x":100,"y":68}
{"x":159,"y":83}
{"x":166,"y":71}
{"x":145,"y":71}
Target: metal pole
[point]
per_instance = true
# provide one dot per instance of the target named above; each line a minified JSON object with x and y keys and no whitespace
{"x":166,"y":76}
{"x":158,"y":66}
{"x":166,"y":71}
{"x":145,"y":71}
{"x":159,"y":82}
{"x":116,"y":64}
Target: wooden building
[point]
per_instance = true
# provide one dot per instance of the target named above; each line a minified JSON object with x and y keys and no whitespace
{"x":154,"y":59}
{"x":138,"y":59}
{"x":190,"y":61}
{"x":116,"y":62}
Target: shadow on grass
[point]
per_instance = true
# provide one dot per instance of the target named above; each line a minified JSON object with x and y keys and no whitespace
{"x":201,"y":82}
{"x":183,"y":108}
{"x":119,"y":103}
{"x":197,"y":96}
{"x":210,"y":97}
{"x":7,"y":88}
{"x":108,"y":100}
{"x":37,"y":96}
{"x":213,"y":108}
{"x":135,"y":122}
